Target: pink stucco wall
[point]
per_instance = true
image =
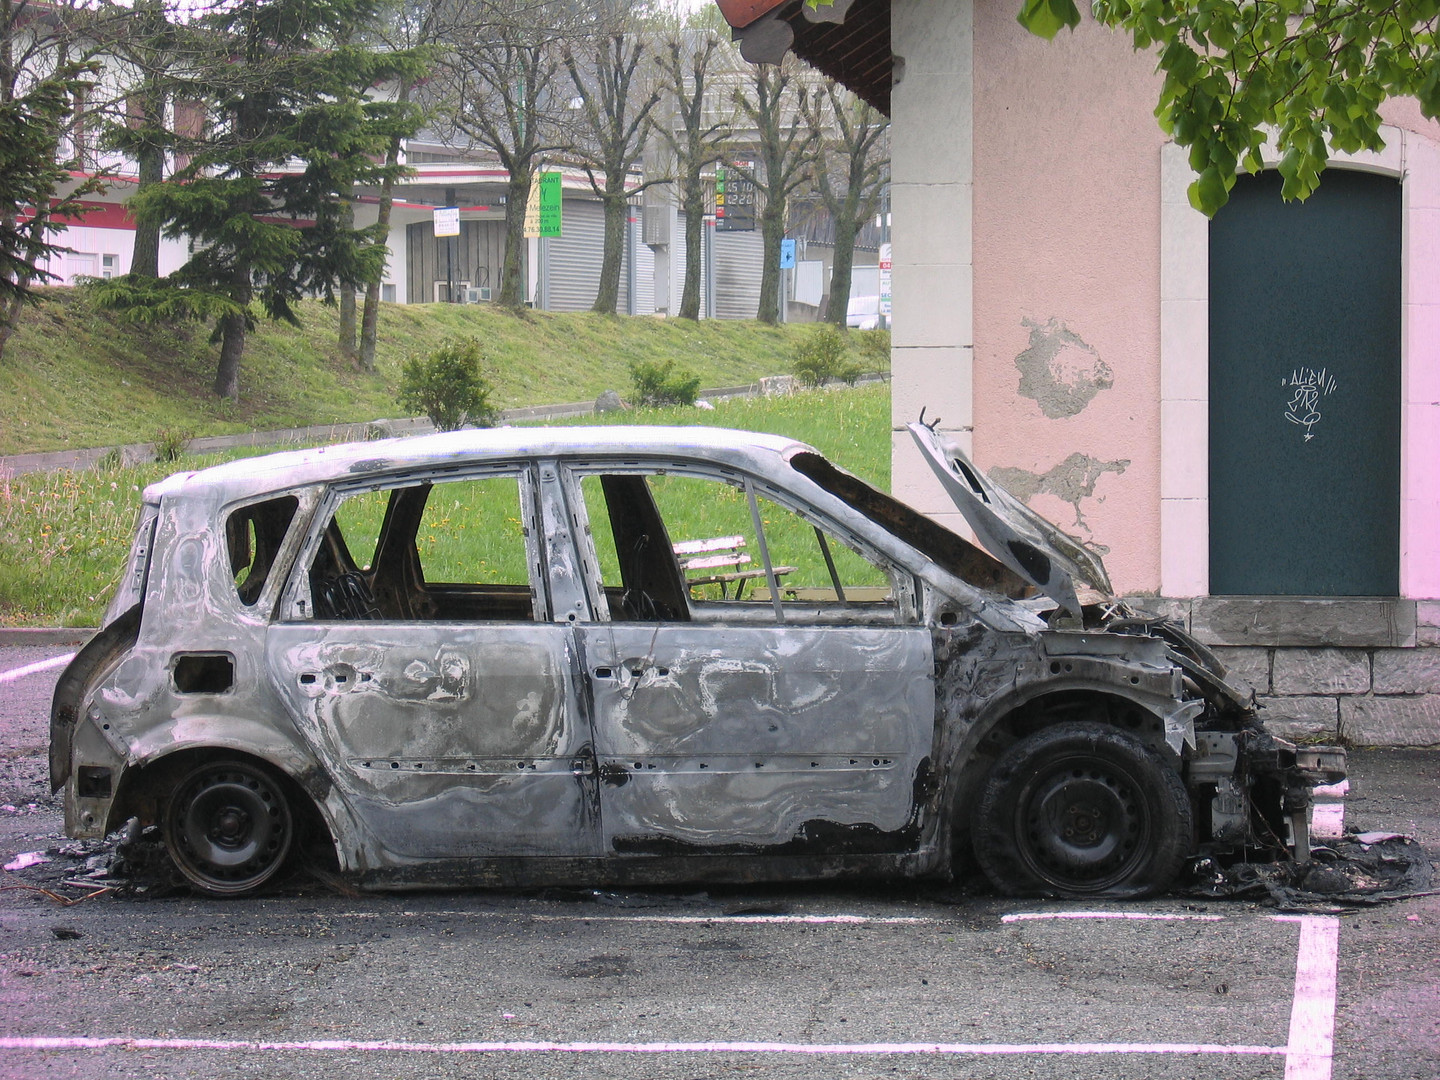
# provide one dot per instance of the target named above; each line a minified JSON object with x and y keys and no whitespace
{"x":1067,"y":228}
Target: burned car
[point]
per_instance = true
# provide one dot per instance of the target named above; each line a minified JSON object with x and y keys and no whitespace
{"x":646,"y":655}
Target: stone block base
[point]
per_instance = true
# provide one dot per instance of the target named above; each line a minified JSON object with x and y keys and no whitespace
{"x":1361,"y":671}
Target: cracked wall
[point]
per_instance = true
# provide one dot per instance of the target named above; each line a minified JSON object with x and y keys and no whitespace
{"x":1066,"y":228}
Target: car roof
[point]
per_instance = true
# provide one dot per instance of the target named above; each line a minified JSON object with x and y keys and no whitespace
{"x":295,"y":468}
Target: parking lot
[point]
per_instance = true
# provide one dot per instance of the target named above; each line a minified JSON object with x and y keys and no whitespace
{"x":793,"y":981}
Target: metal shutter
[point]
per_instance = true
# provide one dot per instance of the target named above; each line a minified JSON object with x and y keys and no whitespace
{"x":642,"y":257}
{"x":739,"y":258}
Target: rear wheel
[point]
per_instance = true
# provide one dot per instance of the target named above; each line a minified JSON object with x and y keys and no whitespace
{"x":1082,"y":810}
{"x":229,"y":827}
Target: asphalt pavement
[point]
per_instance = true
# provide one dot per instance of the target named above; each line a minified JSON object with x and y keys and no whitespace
{"x":912,"y":981}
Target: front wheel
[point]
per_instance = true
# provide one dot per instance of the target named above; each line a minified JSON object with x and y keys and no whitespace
{"x":1082,"y":810}
{"x":229,"y":827}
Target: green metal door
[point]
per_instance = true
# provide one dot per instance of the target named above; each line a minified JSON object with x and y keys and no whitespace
{"x":1305,"y":389}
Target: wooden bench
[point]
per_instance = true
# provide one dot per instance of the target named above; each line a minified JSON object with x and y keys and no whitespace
{"x":708,"y":556}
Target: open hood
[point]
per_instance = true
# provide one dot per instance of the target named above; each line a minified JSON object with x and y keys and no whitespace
{"x":1050,"y":559}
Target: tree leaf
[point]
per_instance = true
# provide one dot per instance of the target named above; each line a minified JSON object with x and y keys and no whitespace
{"x":1045,"y":18}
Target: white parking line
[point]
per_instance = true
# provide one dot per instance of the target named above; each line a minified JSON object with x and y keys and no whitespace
{"x":811,"y":1049}
{"x":1312,"y":1015}
{"x":32,"y":669}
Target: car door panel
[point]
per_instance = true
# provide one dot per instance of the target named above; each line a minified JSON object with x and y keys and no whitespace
{"x":713,"y":736}
{"x":449,"y":740}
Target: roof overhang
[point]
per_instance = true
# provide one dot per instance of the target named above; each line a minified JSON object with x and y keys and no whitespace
{"x":848,"y":40}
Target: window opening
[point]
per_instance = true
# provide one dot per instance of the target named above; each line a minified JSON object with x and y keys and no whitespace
{"x":676,"y":544}
{"x":253,"y":535}
{"x":451,"y":551}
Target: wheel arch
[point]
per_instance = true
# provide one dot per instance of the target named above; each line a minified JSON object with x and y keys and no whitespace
{"x":1083,"y":808}
{"x":100,"y":654}
{"x":144,"y":789}
{"x":1020,"y":713}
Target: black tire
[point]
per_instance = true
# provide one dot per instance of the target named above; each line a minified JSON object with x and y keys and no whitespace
{"x":1082,"y":810}
{"x":229,"y":827}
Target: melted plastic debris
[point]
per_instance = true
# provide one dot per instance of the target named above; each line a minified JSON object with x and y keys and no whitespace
{"x":1347,"y":873}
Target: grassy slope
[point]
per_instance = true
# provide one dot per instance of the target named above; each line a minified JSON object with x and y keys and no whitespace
{"x":71,"y":377}
{"x":64,"y":535}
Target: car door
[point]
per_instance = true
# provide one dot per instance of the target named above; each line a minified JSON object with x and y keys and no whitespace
{"x":785,"y":721}
{"x":428,"y":676}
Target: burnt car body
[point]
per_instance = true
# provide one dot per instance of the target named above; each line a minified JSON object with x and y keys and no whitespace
{"x":475,"y":659}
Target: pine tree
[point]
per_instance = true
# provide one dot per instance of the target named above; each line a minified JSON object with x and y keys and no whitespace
{"x":291,"y":130}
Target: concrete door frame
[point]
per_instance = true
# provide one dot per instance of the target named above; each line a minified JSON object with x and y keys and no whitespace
{"x":1185,"y":366}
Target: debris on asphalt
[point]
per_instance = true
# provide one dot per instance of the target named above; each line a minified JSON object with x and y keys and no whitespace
{"x":1377,"y":837}
{"x":1364,"y":869}
{"x":27,"y":858}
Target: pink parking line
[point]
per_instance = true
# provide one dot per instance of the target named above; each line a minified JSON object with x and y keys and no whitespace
{"x":1327,"y":821}
{"x":1028,"y":916}
{"x":683,"y":920}
{"x":32,"y":669}
{"x":1312,"y":1015}
{"x":812,"y":1049}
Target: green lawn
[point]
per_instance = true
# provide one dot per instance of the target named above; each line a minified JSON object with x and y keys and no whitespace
{"x":64,"y":535}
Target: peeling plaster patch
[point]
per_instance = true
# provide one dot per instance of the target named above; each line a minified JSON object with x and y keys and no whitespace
{"x":1059,"y":370}
{"x":1072,"y":480}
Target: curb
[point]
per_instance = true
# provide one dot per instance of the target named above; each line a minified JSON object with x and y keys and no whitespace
{"x":45,"y":635}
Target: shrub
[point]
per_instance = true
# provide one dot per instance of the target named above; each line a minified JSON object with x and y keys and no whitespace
{"x":660,"y":383}
{"x":170,"y":444}
{"x":448,"y":386}
{"x":822,"y":355}
{"x":873,"y":348}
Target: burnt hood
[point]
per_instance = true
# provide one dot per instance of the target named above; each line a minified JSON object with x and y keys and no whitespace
{"x":1036,"y":549}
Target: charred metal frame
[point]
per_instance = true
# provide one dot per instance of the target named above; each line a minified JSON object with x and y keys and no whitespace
{"x":586,"y":743}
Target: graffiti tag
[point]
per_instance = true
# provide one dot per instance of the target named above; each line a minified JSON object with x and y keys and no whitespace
{"x":1306,"y":387}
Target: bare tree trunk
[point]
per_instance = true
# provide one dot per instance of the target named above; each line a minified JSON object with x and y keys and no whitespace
{"x":512,"y":281}
{"x":348,"y":347}
{"x":617,"y":212}
{"x":370,"y":317}
{"x":840,"y":271}
{"x":369,"y":326}
{"x":694,"y":206}
{"x":772,"y":228}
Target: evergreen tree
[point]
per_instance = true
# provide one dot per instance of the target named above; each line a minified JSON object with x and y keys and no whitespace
{"x":290,"y":132}
{"x":43,"y":84}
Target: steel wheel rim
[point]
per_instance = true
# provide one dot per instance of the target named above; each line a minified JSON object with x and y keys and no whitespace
{"x":1083,"y":823}
{"x":232,"y":831}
